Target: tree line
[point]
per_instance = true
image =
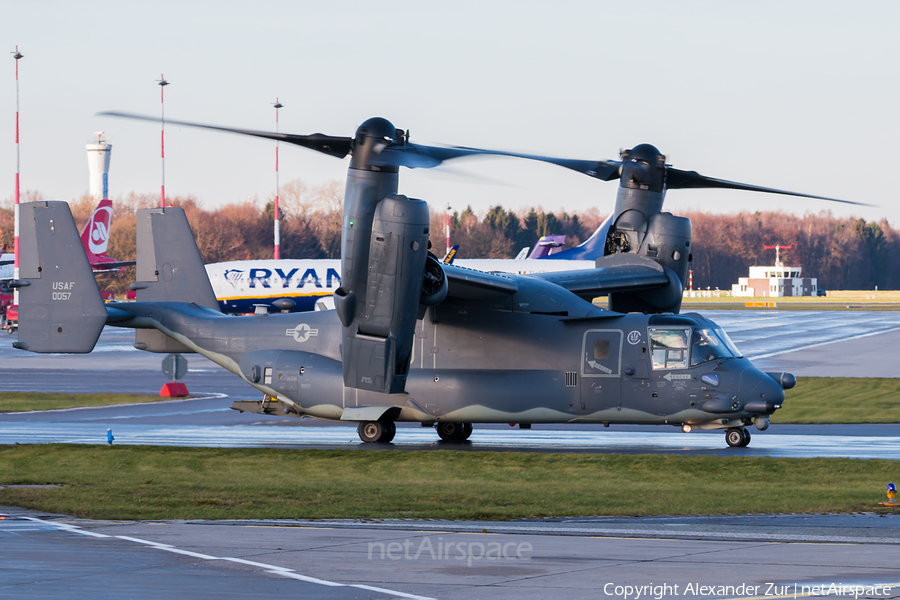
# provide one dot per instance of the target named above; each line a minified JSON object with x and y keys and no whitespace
{"x":842,"y":252}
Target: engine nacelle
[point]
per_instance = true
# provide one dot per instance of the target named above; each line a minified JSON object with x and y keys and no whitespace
{"x":379,"y":305}
{"x":434,"y":282}
{"x":668,"y":241}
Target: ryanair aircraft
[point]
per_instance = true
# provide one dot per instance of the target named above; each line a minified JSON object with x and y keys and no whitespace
{"x":243,"y":284}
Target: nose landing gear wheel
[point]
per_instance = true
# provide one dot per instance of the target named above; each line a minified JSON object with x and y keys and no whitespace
{"x":737,"y":437}
{"x":376,"y":432}
{"x":454,"y":432}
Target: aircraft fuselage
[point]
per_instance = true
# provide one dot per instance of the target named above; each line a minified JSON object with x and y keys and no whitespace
{"x":479,"y":365}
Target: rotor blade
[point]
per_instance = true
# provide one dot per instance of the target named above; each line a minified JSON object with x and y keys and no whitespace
{"x":678,"y":179}
{"x":327,"y":144}
{"x":419,"y":156}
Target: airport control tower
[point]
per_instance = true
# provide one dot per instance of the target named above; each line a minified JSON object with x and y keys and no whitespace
{"x":98,"y":165}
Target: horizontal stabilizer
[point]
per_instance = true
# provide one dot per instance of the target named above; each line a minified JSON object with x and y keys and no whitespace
{"x":112,"y":266}
{"x":60,"y":308}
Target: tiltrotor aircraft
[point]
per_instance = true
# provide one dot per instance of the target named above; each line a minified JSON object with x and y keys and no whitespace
{"x":411,"y":339}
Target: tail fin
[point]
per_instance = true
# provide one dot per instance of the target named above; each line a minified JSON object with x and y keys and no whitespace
{"x":60,"y":308}
{"x":95,"y":236}
{"x":169,"y":267}
{"x":451,"y":254}
{"x":592,"y":248}
{"x":546,"y":245}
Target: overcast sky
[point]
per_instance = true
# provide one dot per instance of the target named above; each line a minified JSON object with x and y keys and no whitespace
{"x":794,"y":95}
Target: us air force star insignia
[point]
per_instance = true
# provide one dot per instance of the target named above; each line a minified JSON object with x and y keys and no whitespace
{"x":301,"y":332}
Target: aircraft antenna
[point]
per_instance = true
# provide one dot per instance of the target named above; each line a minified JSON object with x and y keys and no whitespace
{"x":17,"y":55}
{"x":448,"y":229}
{"x":162,"y":138}
{"x":277,"y":105}
{"x":777,"y":248}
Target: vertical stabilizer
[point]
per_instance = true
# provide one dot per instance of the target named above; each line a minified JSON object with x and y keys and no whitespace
{"x":60,"y":308}
{"x":169,"y":267}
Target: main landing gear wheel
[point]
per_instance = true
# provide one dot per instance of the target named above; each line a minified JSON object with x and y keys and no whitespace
{"x":376,"y":432}
{"x":737,"y":437}
{"x":454,"y":432}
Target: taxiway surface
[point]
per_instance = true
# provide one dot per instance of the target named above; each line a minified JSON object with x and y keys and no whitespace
{"x":54,"y":557}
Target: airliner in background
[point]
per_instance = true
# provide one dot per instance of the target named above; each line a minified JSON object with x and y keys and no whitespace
{"x":242,"y":285}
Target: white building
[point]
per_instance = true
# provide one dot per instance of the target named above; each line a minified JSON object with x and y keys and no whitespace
{"x":778,"y":280}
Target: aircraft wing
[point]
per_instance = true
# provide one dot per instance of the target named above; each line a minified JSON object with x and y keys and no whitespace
{"x":613,"y":273}
{"x":470,"y":284}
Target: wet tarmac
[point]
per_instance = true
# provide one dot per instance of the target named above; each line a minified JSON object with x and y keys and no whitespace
{"x":752,"y":557}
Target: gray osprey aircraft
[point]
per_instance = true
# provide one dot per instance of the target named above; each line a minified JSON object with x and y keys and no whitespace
{"x":410,"y":339}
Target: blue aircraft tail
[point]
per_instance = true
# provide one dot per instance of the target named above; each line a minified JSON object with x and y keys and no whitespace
{"x":592,"y":248}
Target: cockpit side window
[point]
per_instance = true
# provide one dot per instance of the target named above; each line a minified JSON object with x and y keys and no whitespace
{"x":707,"y":346}
{"x":669,"y":347}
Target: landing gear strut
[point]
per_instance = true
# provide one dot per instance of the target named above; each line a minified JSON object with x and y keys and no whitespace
{"x":376,"y":432}
{"x":454,"y":432}
{"x":737,"y":437}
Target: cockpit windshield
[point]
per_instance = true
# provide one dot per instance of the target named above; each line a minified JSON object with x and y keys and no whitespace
{"x":680,"y":347}
{"x":711,"y":344}
{"x":724,"y":337}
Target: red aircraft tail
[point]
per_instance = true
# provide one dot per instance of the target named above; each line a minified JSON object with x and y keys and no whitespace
{"x":95,"y":236}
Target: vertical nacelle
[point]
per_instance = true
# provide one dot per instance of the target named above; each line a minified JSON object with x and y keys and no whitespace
{"x":668,"y":240}
{"x":380,"y":293}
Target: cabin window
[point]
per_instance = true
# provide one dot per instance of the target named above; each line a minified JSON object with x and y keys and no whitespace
{"x":601,"y":353}
{"x":669,"y":347}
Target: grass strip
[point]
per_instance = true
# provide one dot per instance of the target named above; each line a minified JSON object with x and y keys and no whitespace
{"x":20,"y":401}
{"x":844,"y":300}
{"x":145,"y":482}
{"x":824,"y":400}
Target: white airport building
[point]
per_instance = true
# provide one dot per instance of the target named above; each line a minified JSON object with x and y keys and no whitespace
{"x":778,"y":280}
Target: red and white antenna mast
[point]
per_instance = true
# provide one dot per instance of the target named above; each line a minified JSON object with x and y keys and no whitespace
{"x":17,"y":55}
{"x":162,"y":138}
{"x":277,"y":105}
{"x":777,"y":248}
{"x":448,"y":230}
